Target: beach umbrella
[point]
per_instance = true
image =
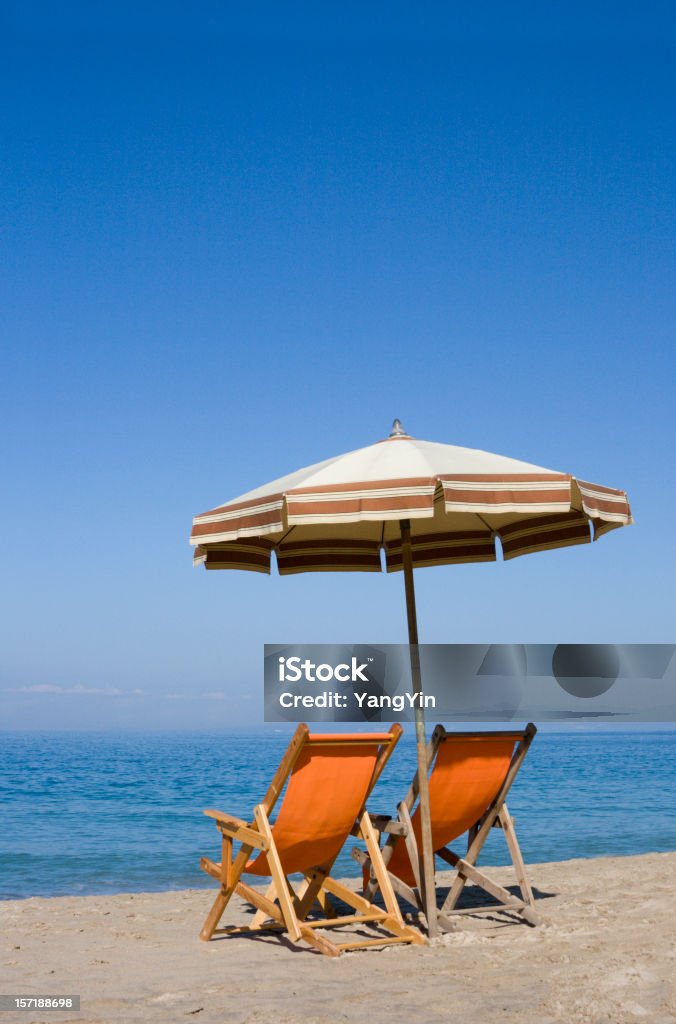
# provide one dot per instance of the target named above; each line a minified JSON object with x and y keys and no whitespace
{"x":419,"y":502}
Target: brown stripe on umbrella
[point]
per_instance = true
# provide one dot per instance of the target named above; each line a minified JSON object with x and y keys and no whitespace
{"x":232,"y":527}
{"x":548,"y":542}
{"x":459,"y":536}
{"x":618,"y":510}
{"x":504,"y":478}
{"x":584,"y":484}
{"x":604,"y":501}
{"x":443,"y":549}
{"x":292,"y":543}
{"x":345,"y":555}
{"x":408,"y":483}
{"x":544,"y":532}
{"x":492,"y":500}
{"x":609,"y":511}
{"x":444,"y":555}
{"x":534,"y":522}
{"x":328,"y":563}
{"x":222,"y":512}
{"x":304,"y":512}
{"x":237,"y":558}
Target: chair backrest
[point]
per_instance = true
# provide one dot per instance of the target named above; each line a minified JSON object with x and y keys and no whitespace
{"x":330,"y":777}
{"x":466,"y":778}
{"x":470,"y":772}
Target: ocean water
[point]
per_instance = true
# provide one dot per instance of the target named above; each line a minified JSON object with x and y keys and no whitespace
{"x":103,"y":813}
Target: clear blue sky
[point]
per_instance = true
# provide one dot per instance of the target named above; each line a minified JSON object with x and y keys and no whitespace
{"x":238,"y":239}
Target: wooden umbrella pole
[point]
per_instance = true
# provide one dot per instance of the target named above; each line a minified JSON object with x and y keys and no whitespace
{"x":428,"y":887}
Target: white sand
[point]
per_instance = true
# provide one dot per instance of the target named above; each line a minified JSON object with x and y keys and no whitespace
{"x":606,"y":954}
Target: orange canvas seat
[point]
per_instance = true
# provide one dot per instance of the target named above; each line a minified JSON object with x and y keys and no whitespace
{"x":328,"y":786}
{"x":471,"y":774}
{"x":329,"y":779}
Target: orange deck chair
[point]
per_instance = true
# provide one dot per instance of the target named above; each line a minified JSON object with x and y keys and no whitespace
{"x":471,"y":775}
{"x":329,"y":780}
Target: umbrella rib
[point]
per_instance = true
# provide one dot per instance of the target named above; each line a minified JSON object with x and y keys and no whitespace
{"x":490,"y":528}
{"x":282,"y":539}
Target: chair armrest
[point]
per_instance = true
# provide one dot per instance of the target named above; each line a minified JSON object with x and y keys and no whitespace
{"x":227,"y":819}
{"x":239,"y":830}
{"x":383,"y":823}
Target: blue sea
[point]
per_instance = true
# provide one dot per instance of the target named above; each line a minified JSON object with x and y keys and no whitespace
{"x":104,"y":813}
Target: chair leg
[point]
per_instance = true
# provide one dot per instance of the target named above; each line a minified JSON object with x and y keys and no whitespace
{"x":479,"y":836}
{"x":411,"y":844}
{"x":455,"y":892}
{"x":498,"y":892}
{"x":399,"y":887}
{"x":394,"y":924}
{"x":469,"y":872}
{"x":379,"y":869}
{"x":223,"y":898}
{"x":370,"y":889}
{"x":261,"y":916}
{"x":517,"y":858}
{"x":312,"y":892}
{"x":320,"y":942}
{"x":286,"y":902}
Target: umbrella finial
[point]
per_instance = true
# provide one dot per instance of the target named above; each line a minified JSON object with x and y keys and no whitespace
{"x":397,"y":429}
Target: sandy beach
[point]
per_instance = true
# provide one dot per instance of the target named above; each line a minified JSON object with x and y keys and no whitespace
{"x":605,"y":954}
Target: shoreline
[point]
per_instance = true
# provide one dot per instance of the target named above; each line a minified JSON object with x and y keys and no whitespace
{"x":603,"y":955}
{"x":352,"y":881}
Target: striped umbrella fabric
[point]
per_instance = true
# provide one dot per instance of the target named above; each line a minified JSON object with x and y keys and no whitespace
{"x":342,"y":513}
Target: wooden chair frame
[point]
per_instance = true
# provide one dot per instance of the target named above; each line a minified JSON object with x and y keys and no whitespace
{"x":496,"y":816}
{"x":285,"y":908}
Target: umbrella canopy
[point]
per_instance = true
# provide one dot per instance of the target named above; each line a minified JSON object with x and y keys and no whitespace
{"x":421,"y":503}
{"x":339,"y":514}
